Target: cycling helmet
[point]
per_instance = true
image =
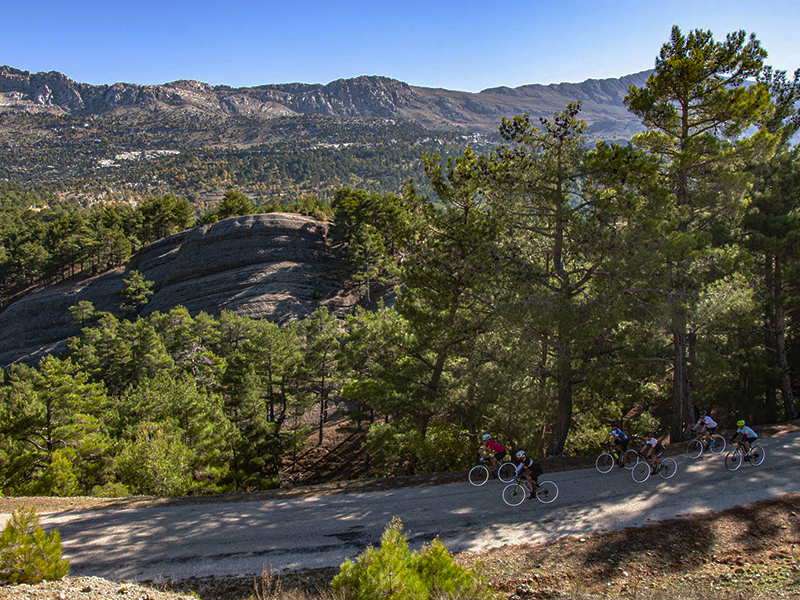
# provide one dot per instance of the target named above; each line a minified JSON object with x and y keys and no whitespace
{"x":486,"y":437}
{"x":521,"y":454}
{"x":703,"y":413}
{"x":740,"y":423}
{"x":650,"y":434}
{"x":615,"y":423}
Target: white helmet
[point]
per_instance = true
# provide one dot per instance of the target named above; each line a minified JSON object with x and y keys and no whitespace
{"x":521,"y":454}
{"x":486,"y":437}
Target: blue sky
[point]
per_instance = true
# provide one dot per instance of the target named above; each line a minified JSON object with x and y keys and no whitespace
{"x":460,"y":45}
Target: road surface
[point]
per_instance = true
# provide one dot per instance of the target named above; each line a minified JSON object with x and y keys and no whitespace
{"x":242,"y":538}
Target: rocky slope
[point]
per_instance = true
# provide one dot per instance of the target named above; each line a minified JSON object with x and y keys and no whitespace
{"x":366,"y":96}
{"x":275,"y":266}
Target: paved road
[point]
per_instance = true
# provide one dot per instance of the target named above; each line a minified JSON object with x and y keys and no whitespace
{"x":284,"y":534}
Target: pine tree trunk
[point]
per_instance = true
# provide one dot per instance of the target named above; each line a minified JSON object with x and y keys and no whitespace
{"x":679,"y":376}
{"x":564,"y":409}
{"x":780,"y":338}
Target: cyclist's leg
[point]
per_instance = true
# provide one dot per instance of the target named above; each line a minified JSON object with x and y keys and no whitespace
{"x":623,"y":449}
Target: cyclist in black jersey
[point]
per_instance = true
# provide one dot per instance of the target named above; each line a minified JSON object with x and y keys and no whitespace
{"x":530,"y":469}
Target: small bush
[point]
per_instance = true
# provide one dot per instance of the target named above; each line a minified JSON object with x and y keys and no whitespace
{"x":155,"y":463}
{"x":394,"y":572}
{"x":111,"y":490}
{"x":59,"y":478}
{"x":399,"y":450}
{"x":27,"y":553}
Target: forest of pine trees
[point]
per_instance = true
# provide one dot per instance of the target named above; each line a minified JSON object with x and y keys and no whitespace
{"x":541,"y":289}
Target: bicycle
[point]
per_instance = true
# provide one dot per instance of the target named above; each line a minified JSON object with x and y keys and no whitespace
{"x":737,"y":456}
{"x":696,"y":447}
{"x":515,"y":493}
{"x":479,"y":474}
{"x":644,"y":468}
{"x":606,"y":461}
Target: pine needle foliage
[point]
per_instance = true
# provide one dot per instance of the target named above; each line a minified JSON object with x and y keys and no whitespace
{"x":27,"y":553}
{"x":394,"y":572}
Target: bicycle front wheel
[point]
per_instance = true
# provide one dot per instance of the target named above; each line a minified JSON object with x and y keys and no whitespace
{"x":667,"y":468}
{"x":733,"y":460}
{"x":604,"y":462}
{"x":641,"y":472}
{"x":478,"y":475}
{"x":506,"y":472}
{"x":514,"y":494}
{"x":757,"y":455}
{"x":718,"y":444}
{"x":546,"y":492}
{"x":631,"y":458}
{"x":694,"y":449}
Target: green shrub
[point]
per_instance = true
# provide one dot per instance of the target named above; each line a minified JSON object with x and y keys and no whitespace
{"x":27,"y":553}
{"x":59,"y":478}
{"x":394,"y":572}
{"x":111,"y":490}
{"x":155,"y":463}
{"x":401,"y":450}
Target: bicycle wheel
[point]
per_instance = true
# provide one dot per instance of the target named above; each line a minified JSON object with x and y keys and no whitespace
{"x":667,"y":468}
{"x":506,"y":472}
{"x":757,"y":455}
{"x":546,"y":492}
{"x":641,"y":472}
{"x":514,"y":494}
{"x":694,"y":449}
{"x":478,"y":475}
{"x":717,"y":444}
{"x":604,"y":462}
{"x":733,"y":460}
{"x":631,"y":458}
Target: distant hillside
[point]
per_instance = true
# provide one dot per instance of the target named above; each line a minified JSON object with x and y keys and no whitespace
{"x":275,"y":266}
{"x":274,"y":142}
{"x":603,"y":109}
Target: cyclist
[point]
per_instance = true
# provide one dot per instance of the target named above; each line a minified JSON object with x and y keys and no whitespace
{"x":530,"y":469}
{"x":652,"y":447}
{"x":497,"y":448}
{"x":620,"y":439}
{"x":749,"y":436}
{"x":707,"y":426}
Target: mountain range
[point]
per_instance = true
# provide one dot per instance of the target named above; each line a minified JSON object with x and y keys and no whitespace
{"x":22,"y":92}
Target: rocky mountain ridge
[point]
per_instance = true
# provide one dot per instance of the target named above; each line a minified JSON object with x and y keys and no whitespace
{"x":365,"y":96}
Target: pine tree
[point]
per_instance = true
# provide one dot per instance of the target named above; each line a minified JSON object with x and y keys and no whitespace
{"x":27,"y":553}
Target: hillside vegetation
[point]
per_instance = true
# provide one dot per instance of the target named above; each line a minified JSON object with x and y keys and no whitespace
{"x":541,"y":289}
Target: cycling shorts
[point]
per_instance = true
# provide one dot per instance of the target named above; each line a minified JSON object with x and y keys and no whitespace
{"x":532,"y":472}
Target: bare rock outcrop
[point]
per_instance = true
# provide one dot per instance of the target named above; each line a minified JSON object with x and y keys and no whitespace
{"x":276,"y":266}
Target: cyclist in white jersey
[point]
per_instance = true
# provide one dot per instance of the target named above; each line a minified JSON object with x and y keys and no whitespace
{"x":706,"y":425}
{"x":653,"y":447}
